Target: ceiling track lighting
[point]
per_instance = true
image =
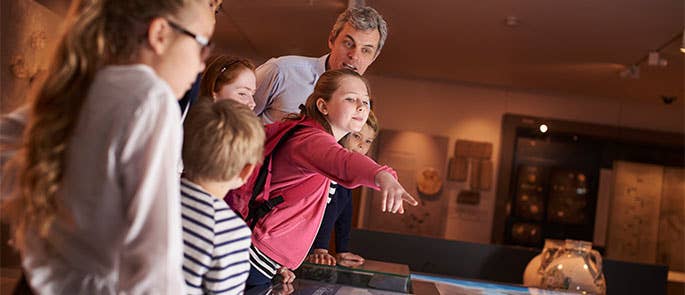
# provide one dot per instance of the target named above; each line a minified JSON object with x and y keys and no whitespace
{"x":653,"y":58}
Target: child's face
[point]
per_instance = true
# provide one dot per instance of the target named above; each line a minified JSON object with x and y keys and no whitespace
{"x":184,"y":52}
{"x":361,"y":141}
{"x":241,"y":89}
{"x":348,"y":108}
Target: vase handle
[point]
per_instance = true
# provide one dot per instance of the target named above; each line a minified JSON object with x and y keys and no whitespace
{"x":598,"y":262}
{"x":546,"y":257}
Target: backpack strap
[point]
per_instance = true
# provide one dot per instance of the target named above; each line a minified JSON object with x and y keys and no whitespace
{"x":258,"y":210}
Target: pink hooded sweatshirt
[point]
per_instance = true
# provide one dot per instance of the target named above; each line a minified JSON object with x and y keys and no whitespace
{"x":302,"y":167}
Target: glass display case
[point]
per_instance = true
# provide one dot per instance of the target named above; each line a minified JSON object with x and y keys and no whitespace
{"x":374,"y":275}
{"x":447,"y":285}
{"x":554,"y":191}
{"x":382,"y":278}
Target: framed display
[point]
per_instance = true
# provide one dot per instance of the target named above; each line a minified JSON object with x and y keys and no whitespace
{"x":634,"y":219}
{"x":420,"y":161}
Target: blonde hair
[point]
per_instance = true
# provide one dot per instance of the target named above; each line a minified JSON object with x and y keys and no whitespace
{"x":222,"y":70}
{"x":372,"y":122}
{"x":98,"y":33}
{"x":220,"y":138}
{"x":327,"y":84}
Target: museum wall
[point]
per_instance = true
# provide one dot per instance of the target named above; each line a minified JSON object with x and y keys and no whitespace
{"x":450,"y":110}
{"x":459,"y":111}
{"x":28,"y":30}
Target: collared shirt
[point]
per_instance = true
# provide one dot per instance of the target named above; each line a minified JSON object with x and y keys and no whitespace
{"x":284,"y":83}
{"x":215,"y":243}
{"x":121,"y":231}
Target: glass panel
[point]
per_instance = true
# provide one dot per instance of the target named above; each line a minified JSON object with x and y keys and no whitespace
{"x":373,"y":275}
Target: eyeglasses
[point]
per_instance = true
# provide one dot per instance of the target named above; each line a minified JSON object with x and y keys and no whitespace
{"x":203,"y":41}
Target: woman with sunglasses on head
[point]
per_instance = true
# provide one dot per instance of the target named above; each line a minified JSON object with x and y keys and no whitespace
{"x":97,"y":208}
{"x":229,"y":77}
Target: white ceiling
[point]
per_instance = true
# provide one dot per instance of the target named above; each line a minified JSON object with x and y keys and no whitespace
{"x":574,"y":47}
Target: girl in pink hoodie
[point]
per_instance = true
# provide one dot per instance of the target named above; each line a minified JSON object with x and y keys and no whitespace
{"x":302,"y":167}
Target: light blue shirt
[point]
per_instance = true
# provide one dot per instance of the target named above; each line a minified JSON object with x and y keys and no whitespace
{"x":284,"y":83}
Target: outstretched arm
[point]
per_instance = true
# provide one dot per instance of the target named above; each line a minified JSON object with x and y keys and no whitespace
{"x":393,"y":194}
{"x":318,"y":151}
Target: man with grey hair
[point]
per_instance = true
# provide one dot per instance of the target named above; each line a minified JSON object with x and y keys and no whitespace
{"x":285,"y":82}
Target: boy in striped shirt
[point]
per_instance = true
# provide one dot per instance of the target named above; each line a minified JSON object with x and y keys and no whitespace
{"x":222,"y":143}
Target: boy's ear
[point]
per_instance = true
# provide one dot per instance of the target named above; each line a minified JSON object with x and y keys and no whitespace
{"x":321,"y":105}
{"x":245,"y":173}
{"x":158,"y":35}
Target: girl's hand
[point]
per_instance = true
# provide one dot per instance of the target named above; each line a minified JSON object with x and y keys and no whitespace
{"x":349,"y":259}
{"x":321,"y":256}
{"x":287,"y":275}
{"x":285,"y":289}
{"x":393,"y":193}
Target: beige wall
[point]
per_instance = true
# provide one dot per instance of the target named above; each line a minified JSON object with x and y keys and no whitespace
{"x":475,"y":112}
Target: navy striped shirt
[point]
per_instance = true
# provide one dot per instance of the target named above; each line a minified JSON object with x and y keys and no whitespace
{"x":264,"y":264}
{"x":215,"y":243}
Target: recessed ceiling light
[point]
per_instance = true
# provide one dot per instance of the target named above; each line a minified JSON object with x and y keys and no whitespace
{"x":543,"y":128}
{"x":511,"y":21}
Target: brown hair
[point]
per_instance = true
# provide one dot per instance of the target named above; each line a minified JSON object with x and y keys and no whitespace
{"x":98,"y":33}
{"x":222,"y":70}
{"x":220,"y":138}
{"x":328,"y":83}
